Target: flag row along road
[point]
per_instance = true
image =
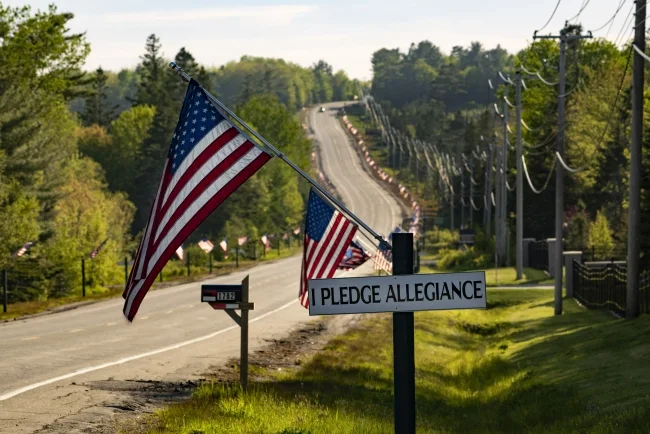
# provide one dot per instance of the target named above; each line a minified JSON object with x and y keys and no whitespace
{"x":50,"y":365}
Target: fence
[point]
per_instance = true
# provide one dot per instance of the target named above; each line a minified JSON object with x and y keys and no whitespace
{"x":538,"y":255}
{"x":604,"y":286}
{"x":600,"y":254}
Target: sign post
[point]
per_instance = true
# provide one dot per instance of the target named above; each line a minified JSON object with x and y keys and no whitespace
{"x":403,"y":343}
{"x":231,"y":298}
{"x":403,"y":293}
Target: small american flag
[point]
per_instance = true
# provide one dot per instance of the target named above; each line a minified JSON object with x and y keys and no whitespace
{"x":265,"y":241}
{"x":383,"y":259}
{"x":96,"y":250}
{"x":224,"y":245}
{"x":179,"y":252}
{"x":209,"y":158}
{"x":242,"y":240}
{"x":327,"y":235}
{"x":354,"y":256}
{"x":296,"y":231}
{"x":20,"y":252}
{"x":206,"y":245}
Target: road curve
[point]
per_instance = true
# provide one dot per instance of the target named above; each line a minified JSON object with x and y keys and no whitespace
{"x":47,"y":363}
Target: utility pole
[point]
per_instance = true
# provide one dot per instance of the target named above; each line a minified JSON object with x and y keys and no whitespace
{"x":634,"y":213}
{"x":471,"y":192}
{"x":488,"y":191}
{"x":519,"y":262}
{"x":503,"y":205}
{"x":559,"y":174}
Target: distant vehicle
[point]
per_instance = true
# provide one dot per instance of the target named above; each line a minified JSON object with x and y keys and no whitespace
{"x":322,"y":109}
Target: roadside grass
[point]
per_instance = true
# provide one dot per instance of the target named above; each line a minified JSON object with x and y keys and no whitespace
{"x":503,"y":276}
{"x":512,"y":368}
{"x":174,"y":273}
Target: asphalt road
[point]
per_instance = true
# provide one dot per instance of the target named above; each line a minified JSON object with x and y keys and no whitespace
{"x":47,"y":363}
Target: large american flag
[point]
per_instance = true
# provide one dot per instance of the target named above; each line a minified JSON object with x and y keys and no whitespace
{"x":327,"y":235}
{"x":354,"y":256}
{"x":209,"y":158}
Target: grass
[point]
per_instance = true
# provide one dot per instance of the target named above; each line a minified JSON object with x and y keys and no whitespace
{"x":513,"y":368}
{"x":503,"y":276}
{"x":173,"y":272}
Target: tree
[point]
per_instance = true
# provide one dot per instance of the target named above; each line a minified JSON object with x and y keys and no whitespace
{"x":600,"y":236}
{"x":96,"y":110}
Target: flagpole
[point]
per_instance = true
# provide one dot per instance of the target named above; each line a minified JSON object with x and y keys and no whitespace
{"x":284,"y":158}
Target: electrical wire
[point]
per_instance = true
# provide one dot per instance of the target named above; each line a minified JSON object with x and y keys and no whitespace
{"x":625,"y":23}
{"x":580,"y":169}
{"x":641,"y":53}
{"x":530,"y":183}
{"x":613,"y":17}
{"x":551,"y":17}
{"x":582,"y":8}
{"x":471,"y":200}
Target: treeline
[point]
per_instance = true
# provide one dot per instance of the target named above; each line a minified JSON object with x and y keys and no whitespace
{"x":81,"y":154}
{"x":446,"y":100}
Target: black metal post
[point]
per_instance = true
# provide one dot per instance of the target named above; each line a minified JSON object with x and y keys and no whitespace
{"x":188,"y":263}
{"x":254,"y":252}
{"x":243,"y":363}
{"x":237,"y":257}
{"x":403,"y":343}
{"x":83,"y":277}
{"x":279,"y":242}
{"x":5,"y":291}
{"x":210,"y":261}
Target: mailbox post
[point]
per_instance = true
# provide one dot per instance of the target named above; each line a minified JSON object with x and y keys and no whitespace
{"x":231,"y":298}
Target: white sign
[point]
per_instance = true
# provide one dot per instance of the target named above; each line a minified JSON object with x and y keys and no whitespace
{"x":407,"y":293}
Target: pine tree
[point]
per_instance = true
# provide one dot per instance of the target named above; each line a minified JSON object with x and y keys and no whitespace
{"x":96,"y":110}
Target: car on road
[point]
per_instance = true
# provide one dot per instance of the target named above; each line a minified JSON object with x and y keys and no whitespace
{"x":322,"y":109}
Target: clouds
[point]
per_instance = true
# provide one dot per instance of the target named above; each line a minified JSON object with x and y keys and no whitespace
{"x":268,"y":15}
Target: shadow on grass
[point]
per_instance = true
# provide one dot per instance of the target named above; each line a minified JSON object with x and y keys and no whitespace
{"x":582,"y":372}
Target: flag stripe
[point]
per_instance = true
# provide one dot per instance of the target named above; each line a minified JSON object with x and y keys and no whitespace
{"x":323,"y":246}
{"x":220,"y":134}
{"x":214,"y":168}
{"x":219,"y":146}
{"x":137,"y":294}
{"x":198,"y":199}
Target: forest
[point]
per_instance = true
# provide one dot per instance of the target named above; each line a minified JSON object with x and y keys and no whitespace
{"x":449,"y":101}
{"x":81,"y":152}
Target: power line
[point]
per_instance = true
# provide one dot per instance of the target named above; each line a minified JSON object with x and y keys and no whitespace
{"x":582,"y":8}
{"x":530,"y":183}
{"x":620,"y":32}
{"x":612,"y":18}
{"x":552,"y":15}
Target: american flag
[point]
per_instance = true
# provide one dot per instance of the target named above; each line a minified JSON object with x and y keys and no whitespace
{"x":354,"y":256}
{"x":265,"y":241}
{"x":224,"y":245}
{"x":383,"y":259}
{"x":209,"y":158}
{"x":96,"y":250}
{"x":206,"y":245}
{"x":179,"y":252}
{"x":242,"y":240}
{"x":23,"y":249}
{"x":327,"y":235}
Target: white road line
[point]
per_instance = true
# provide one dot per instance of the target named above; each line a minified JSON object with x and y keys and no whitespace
{"x":30,"y":338}
{"x":135,"y":357}
{"x":110,"y":324}
{"x":76,"y":330}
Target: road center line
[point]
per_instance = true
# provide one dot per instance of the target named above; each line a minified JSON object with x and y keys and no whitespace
{"x":82,"y":371}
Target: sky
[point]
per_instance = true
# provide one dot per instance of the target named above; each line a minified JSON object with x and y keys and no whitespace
{"x":344,"y":33}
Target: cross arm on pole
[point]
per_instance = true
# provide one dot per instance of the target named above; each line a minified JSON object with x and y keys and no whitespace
{"x":284,"y":158}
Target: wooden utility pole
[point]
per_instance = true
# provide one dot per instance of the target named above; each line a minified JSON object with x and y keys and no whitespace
{"x":559,"y":174}
{"x":634,"y":211}
{"x":519,"y":262}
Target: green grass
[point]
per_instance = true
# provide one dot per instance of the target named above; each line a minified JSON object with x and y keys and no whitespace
{"x":513,"y":368}
{"x":174,"y":272}
{"x":503,"y":276}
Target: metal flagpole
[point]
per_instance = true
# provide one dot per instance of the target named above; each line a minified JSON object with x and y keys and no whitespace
{"x":284,"y":158}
